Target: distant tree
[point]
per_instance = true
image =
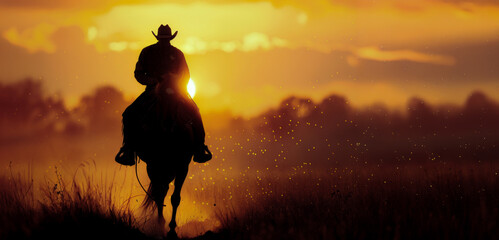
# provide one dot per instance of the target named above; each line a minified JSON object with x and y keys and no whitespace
{"x":420,"y":114}
{"x":25,"y":108}
{"x":102,"y":109}
{"x":335,"y":108}
{"x":481,"y":111}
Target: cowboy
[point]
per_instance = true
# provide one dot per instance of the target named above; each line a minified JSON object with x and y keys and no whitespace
{"x":163,"y":69}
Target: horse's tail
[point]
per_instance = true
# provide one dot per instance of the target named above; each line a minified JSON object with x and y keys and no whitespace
{"x":148,"y":201}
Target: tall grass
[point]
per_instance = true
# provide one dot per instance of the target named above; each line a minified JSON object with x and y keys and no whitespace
{"x":78,"y":209}
{"x":415,"y":203}
{"x":411,"y":202}
{"x":16,"y":206}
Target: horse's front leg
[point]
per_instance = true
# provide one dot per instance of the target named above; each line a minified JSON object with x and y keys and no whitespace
{"x":179,"y":181}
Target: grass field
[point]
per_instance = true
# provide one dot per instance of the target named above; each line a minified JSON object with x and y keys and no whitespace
{"x":305,"y":170}
{"x":418,"y":202}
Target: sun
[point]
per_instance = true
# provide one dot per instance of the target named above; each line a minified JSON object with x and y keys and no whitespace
{"x":191,"y":88}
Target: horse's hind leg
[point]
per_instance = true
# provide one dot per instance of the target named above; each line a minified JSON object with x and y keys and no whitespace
{"x":158,"y":190}
{"x":179,"y":181}
{"x":159,"y":195}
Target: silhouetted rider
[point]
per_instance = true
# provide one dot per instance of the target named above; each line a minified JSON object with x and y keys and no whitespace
{"x":163,"y":69}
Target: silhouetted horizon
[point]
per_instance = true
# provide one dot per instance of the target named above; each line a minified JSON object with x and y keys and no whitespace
{"x":328,"y":132}
{"x":26,"y":101}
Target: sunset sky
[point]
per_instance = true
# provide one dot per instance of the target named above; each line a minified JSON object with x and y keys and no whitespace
{"x":247,"y":55}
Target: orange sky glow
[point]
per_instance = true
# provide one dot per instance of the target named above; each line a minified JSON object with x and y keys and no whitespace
{"x":299,"y":98}
{"x":246,"y":56}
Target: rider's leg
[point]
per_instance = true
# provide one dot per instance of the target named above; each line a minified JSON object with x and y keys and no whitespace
{"x":202,"y":153}
{"x":125,"y":155}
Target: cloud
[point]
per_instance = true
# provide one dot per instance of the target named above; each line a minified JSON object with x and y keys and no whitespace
{"x":123,"y":45}
{"x":311,"y":5}
{"x":256,"y":40}
{"x":373,"y":53}
{"x":302,"y":18}
{"x":32,"y":39}
{"x":319,"y":6}
{"x":250,"y":42}
{"x":92,"y":33}
{"x":63,"y":4}
{"x":320,"y":25}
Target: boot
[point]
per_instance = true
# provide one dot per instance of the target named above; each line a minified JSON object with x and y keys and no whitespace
{"x":125,"y":157}
{"x":202,"y":155}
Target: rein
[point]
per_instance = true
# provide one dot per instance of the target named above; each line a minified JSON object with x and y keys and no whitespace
{"x":138,"y":179}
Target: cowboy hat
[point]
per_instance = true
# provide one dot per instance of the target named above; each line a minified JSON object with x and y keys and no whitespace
{"x":165,"y":32}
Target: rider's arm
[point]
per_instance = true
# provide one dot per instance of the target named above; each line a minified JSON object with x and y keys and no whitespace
{"x":141,"y":74}
{"x":184,"y":72}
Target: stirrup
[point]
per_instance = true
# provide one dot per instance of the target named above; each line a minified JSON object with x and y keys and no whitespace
{"x":203,"y":156}
{"x":125,"y":157}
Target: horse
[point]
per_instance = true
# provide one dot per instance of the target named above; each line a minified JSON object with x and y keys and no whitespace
{"x":166,"y":145}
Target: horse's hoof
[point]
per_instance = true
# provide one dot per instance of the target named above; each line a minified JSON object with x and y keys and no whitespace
{"x":172,"y":235}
